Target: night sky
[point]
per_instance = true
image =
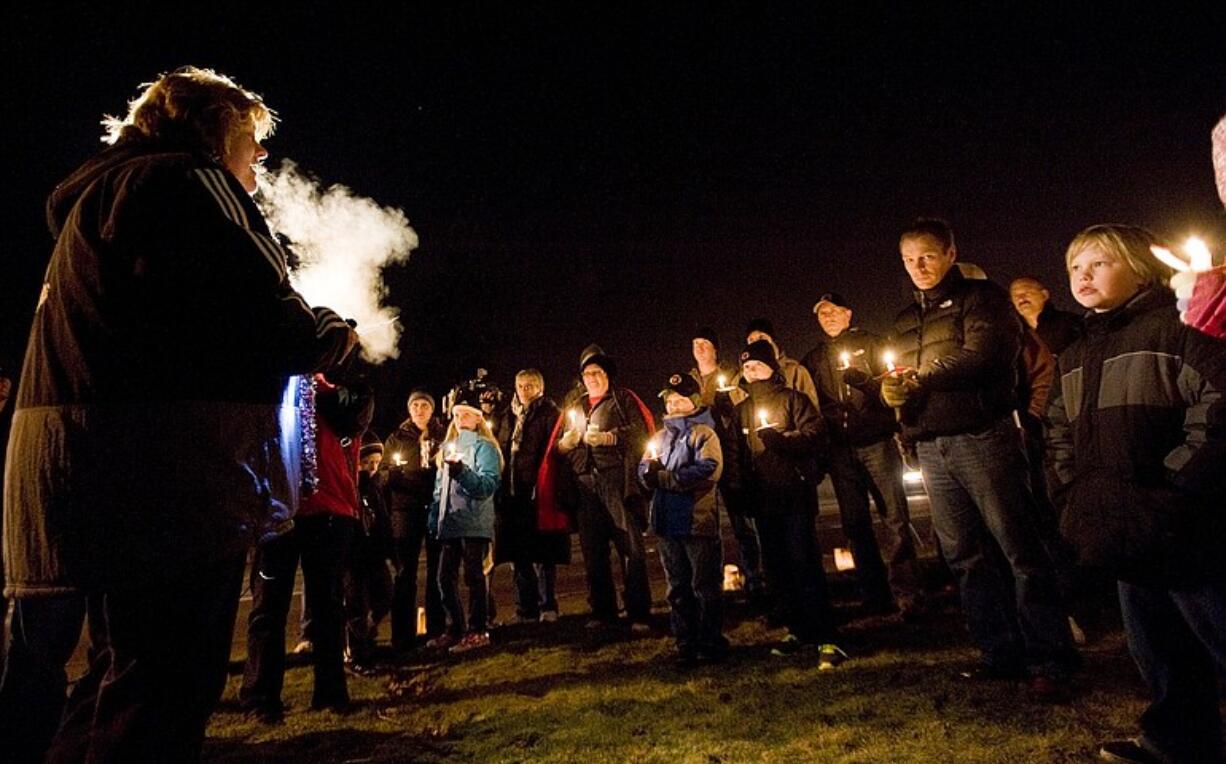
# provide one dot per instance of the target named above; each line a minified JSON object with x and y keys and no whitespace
{"x":580,"y":175}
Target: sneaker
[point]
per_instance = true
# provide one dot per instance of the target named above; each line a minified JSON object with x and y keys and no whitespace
{"x":444,"y":641}
{"x":830,"y":656}
{"x":471,"y":641}
{"x":640,"y":628}
{"x":789,"y":645}
{"x":549,"y":616}
{"x":303,"y":646}
{"x":1126,"y":751}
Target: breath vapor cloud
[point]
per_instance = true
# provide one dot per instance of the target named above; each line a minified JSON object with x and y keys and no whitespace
{"x":343,"y":242}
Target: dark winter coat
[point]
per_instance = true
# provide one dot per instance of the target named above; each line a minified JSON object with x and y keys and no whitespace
{"x":686,"y":502}
{"x":410,"y":484}
{"x":517,"y":535}
{"x":963,"y":337}
{"x":1137,"y":443}
{"x":154,"y":429}
{"x":622,"y":412}
{"x":781,"y":473}
{"x":851,"y":398}
{"x":1058,"y":329}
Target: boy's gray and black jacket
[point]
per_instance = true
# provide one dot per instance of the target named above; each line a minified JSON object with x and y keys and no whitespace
{"x":686,"y":502}
{"x":963,"y":337}
{"x":854,"y":414}
{"x":1137,"y":442}
{"x":153,"y":432}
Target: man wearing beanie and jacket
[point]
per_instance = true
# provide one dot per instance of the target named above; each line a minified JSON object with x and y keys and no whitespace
{"x":864,"y":457}
{"x":795,"y":376}
{"x":409,"y":465}
{"x":784,"y":441}
{"x":603,"y":441}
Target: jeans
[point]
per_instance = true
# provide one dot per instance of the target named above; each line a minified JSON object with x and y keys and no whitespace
{"x":794,"y":574}
{"x":158,"y":666}
{"x":693,"y":567}
{"x":321,"y":542}
{"x":44,"y":634}
{"x":409,"y":532}
{"x":597,"y":530}
{"x":471,"y":553}
{"x":535,"y":588}
{"x":857,"y":472}
{"x":1178,"y":640}
{"x":984,"y":516}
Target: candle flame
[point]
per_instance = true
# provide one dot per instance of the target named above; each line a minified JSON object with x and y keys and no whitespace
{"x":397,"y":458}
{"x":1198,"y":253}
{"x":845,"y":359}
{"x":888,"y":357}
{"x":762,"y":418}
{"x":721,"y":380}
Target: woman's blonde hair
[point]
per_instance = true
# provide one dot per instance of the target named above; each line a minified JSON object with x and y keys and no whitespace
{"x":483,"y":431}
{"x":197,"y":107}
{"x":1128,"y":243}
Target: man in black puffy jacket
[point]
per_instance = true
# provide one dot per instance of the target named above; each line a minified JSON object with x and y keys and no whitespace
{"x":955,"y":390}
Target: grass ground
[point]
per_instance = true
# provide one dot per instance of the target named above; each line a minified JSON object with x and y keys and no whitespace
{"x":558,"y":694}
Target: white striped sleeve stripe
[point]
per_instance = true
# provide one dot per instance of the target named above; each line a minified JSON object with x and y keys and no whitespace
{"x":223,"y":195}
{"x":232,"y":208}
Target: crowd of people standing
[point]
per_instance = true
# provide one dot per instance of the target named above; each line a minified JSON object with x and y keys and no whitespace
{"x":1046,"y":442}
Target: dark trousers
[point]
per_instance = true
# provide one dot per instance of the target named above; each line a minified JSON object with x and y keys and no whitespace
{"x":1178,"y":639}
{"x":984,"y":515}
{"x":600,"y":503}
{"x":535,"y":588}
{"x":320,"y":542}
{"x":745,"y":531}
{"x":692,"y":565}
{"x":43,"y":636}
{"x":409,"y":531}
{"x":858,"y":472}
{"x":368,"y":597}
{"x":469,"y":553}
{"x":158,"y":667}
{"x":794,"y":574}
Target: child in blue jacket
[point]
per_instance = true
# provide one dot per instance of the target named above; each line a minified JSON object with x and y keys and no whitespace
{"x":682,"y":470}
{"x":462,"y":519}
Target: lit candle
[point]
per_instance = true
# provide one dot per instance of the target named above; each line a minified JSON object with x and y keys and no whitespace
{"x":722,"y":381}
{"x":844,"y":360}
{"x":451,"y":453}
{"x":574,"y":419}
{"x":397,"y":459}
{"x":762,"y":418}
{"x":1198,"y":254}
{"x":888,"y":357}
{"x":652,"y":451}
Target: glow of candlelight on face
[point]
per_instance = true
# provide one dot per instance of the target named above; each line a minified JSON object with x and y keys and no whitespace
{"x":888,"y":357}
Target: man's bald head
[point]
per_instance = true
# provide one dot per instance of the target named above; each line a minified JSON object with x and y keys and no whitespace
{"x":1029,"y":296}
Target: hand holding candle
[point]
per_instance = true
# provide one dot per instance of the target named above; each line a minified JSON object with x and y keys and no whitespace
{"x":1200,"y":289}
{"x":844,"y":361}
{"x":764,"y":422}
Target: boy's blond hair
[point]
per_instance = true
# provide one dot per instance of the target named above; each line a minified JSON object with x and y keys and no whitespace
{"x":199,"y":108}
{"x":1128,"y":243}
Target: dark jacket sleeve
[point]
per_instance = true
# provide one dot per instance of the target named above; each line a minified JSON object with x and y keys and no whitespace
{"x":1198,"y":465}
{"x":991,"y":337}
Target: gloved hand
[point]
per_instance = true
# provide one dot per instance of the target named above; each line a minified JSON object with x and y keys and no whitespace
{"x":771,"y":438}
{"x":651,"y":478}
{"x":854,"y":377}
{"x":455,"y":468}
{"x":896,"y":389}
{"x":568,"y":441}
{"x":598,"y":438}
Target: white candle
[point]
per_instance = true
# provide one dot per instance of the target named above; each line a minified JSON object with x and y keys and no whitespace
{"x":888,"y":357}
{"x":652,"y":451}
{"x":397,"y":459}
{"x":722,"y":381}
{"x":574,"y":419}
{"x":844,"y":360}
{"x":762,"y":418}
